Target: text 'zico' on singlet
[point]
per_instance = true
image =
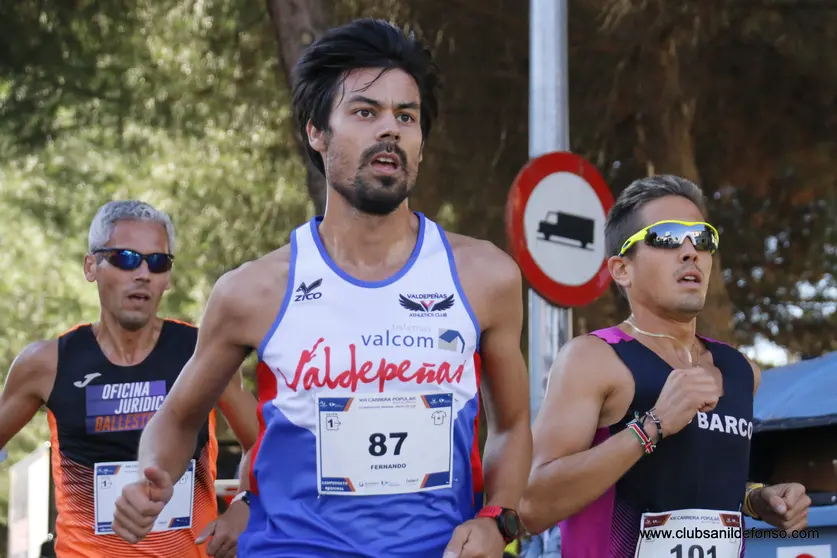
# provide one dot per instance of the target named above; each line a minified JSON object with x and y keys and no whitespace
{"x":97,"y":411}
{"x":686,"y":496}
{"x":368,"y":405}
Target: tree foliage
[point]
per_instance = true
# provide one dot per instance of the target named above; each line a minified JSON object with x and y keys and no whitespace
{"x":176,"y":103}
{"x":735,"y":95}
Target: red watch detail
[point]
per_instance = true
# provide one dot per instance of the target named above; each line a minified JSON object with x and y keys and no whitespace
{"x":490,"y":511}
{"x":507,"y":521}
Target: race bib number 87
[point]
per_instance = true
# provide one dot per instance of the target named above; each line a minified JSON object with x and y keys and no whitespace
{"x":384,"y":443}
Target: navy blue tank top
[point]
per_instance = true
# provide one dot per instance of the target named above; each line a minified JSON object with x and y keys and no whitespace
{"x":704,"y":466}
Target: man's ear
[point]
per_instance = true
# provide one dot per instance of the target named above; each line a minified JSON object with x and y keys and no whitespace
{"x":620,"y":270}
{"x":316,"y":137}
{"x":90,"y":267}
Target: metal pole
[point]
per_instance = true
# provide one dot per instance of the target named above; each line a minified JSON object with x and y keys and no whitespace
{"x":549,"y":327}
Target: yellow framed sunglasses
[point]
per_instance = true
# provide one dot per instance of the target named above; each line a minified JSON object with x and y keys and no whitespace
{"x":672,"y":234}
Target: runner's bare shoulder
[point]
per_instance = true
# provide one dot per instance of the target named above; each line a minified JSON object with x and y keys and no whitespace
{"x":485,"y":271}
{"x":251,"y":295}
{"x":588,"y":355}
{"x":588,"y":366}
{"x":35,"y":368}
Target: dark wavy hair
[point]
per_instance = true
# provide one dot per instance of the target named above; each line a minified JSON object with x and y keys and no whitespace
{"x":624,"y":218}
{"x":364,"y":43}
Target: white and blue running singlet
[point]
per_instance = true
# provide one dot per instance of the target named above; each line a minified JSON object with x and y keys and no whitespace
{"x":368,"y":408}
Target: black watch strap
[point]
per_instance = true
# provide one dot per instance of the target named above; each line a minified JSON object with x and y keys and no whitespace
{"x":242,"y":497}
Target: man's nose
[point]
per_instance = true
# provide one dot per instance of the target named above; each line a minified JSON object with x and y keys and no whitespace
{"x":688,"y":251}
{"x":142,"y":273}
{"x":389,"y":129}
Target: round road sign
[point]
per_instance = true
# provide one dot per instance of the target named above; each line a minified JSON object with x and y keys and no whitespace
{"x":555,"y":219}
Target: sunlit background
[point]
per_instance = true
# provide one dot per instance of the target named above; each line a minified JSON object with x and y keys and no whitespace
{"x":184,"y":104}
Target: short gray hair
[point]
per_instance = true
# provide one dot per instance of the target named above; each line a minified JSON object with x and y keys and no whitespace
{"x":111,"y":213}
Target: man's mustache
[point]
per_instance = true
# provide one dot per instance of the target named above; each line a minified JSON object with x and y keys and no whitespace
{"x":376,"y":150}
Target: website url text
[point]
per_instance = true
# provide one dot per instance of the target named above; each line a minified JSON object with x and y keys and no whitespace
{"x":728,"y":533}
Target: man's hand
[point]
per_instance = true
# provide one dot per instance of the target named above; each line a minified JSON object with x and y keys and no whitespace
{"x":478,"y":538}
{"x":785,"y":506}
{"x":685,"y":392}
{"x":140,"y":504}
{"x":225,"y":531}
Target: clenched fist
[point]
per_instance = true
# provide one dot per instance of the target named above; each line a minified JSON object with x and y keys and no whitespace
{"x":686,"y":392}
{"x":140,"y":504}
{"x":784,"y":506}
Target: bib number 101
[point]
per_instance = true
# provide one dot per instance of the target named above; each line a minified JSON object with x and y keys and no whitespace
{"x":695,"y":551}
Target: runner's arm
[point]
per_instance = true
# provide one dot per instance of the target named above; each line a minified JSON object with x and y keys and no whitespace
{"x":508,"y":447}
{"x":746,"y":509}
{"x":759,"y":505}
{"x":567,"y":474}
{"x":169,"y":438}
{"x":244,"y":471}
{"x":32,"y":373}
{"x":239,"y":408}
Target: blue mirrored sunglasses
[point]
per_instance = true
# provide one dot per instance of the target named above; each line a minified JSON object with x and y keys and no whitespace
{"x":129,"y":260}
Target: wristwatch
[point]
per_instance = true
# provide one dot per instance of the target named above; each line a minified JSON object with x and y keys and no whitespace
{"x":507,"y":520}
{"x":244,"y":496}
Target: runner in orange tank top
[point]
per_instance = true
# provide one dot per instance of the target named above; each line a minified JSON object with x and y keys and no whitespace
{"x":102,"y":382}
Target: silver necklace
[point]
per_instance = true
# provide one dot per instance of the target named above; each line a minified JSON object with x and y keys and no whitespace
{"x":630,"y":322}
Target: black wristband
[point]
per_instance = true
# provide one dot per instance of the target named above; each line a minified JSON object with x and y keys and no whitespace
{"x":243,"y":496}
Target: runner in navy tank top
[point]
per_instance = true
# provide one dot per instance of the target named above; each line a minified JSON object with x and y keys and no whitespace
{"x":379,"y":335}
{"x":642,"y":444}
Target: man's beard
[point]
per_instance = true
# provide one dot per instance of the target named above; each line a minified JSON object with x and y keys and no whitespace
{"x":380,"y":200}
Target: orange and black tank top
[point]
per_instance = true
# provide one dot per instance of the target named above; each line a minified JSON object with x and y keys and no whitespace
{"x":97,"y":411}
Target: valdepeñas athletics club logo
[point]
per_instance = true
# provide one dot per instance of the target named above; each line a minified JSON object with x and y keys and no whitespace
{"x":426,"y":305}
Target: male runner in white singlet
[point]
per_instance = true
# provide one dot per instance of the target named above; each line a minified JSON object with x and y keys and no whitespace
{"x":376,"y":331}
